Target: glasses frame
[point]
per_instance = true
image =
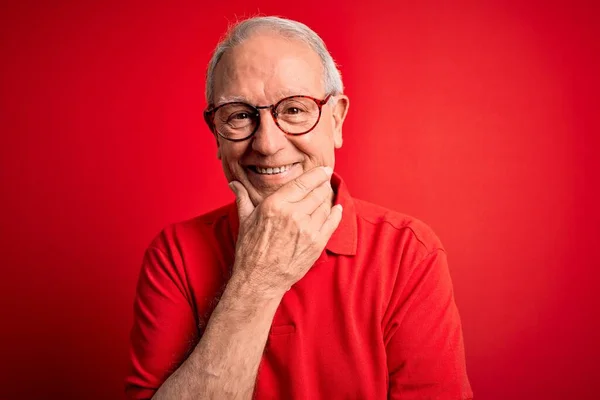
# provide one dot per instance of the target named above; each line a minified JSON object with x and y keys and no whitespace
{"x":209,"y":115}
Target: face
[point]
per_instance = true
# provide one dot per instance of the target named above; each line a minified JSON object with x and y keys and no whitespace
{"x":261,"y":71}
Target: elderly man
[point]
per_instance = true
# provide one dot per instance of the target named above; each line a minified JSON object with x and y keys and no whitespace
{"x":298,"y":290}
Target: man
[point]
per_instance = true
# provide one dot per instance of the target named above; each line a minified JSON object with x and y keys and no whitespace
{"x":296,"y":291}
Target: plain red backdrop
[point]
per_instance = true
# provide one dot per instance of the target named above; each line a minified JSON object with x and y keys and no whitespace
{"x":480,"y":119}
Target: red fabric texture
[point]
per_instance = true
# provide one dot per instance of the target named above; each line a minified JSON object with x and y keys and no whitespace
{"x":374,"y":317}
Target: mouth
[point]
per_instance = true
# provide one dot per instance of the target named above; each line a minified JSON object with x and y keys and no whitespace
{"x":271,"y":170}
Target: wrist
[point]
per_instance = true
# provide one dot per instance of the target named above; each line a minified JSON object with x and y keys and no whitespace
{"x":245,"y":293}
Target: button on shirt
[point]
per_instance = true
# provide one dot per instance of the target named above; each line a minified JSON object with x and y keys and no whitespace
{"x":374,"y":317}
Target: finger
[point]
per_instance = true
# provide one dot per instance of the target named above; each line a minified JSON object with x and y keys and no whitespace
{"x":319,"y":216}
{"x":314,"y":199}
{"x":300,"y":187}
{"x":242,"y":200}
{"x":332,"y":222}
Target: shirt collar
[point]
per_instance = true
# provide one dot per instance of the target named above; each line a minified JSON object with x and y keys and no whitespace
{"x":344,"y":239}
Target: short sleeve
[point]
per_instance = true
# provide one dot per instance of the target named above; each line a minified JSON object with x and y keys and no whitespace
{"x":164,"y":328}
{"x":423,"y":335}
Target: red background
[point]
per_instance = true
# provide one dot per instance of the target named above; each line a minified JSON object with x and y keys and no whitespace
{"x":480,"y":119}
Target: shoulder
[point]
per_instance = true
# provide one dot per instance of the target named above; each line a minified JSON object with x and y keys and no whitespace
{"x":211,"y":225}
{"x":404,"y":228}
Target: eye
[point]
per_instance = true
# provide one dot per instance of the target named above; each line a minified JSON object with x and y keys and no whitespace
{"x":292,"y":111}
{"x":239,"y":116}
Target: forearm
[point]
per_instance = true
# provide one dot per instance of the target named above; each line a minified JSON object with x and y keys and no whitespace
{"x":225,"y":362}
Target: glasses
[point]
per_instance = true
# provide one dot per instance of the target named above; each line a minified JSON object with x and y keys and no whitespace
{"x":237,"y":121}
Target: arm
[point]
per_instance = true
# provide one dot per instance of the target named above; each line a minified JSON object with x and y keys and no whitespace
{"x":225,"y":362}
{"x":278,"y":242}
{"x":423,"y":335}
{"x":165,"y":333}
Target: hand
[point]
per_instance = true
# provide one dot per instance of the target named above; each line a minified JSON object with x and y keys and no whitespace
{"x":281,"y":238}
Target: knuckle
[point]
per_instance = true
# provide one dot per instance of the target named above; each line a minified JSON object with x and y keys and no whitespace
{"x":270,"y":206}
{"x":314,"y":238}
{"x":297,"y":218}
{"x":266,"y":203}
{"x":310,"y":236}
{"x":304,"y":232}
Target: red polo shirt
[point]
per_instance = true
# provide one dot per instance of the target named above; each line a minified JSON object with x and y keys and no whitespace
{"x":374,"y":318}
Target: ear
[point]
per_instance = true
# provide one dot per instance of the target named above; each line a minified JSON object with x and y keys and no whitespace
{"x":340,"y":110}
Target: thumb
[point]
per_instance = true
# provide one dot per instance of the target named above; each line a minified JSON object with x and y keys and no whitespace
{"x":242,"y":200}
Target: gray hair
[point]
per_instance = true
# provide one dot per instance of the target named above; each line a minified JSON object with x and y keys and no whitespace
{"x":241,"y":31}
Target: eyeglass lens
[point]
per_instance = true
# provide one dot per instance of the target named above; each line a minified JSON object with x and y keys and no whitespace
{"x":294,"y":115}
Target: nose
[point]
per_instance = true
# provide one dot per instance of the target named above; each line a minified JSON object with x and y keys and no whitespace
{"x":268,"y":139}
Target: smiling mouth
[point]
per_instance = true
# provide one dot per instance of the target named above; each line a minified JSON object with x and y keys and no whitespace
{"x":270,"y":170}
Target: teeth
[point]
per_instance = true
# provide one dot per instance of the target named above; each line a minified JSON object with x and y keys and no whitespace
{"x":271,"y":171}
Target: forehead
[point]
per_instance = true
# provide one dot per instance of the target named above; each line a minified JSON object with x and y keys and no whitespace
{"x":267,"y":67}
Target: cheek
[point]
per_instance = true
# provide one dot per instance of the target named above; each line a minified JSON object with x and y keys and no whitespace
{"x":230,"y":155}
{"x":318,"y":146}
{"x":229,"y":152}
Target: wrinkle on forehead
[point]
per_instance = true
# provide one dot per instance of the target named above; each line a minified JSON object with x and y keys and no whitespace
{"x":279,"y":94}
{"x":265,"y":69}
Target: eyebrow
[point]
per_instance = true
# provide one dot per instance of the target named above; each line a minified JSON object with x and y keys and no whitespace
{"x":287,"y":93}
{"x":242,"y":99}
{"x":229,"y":99}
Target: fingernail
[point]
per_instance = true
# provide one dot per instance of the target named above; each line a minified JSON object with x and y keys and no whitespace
{"x":328,"y":170}
{"x":340,"y":206}
{"x":232,"y":187}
